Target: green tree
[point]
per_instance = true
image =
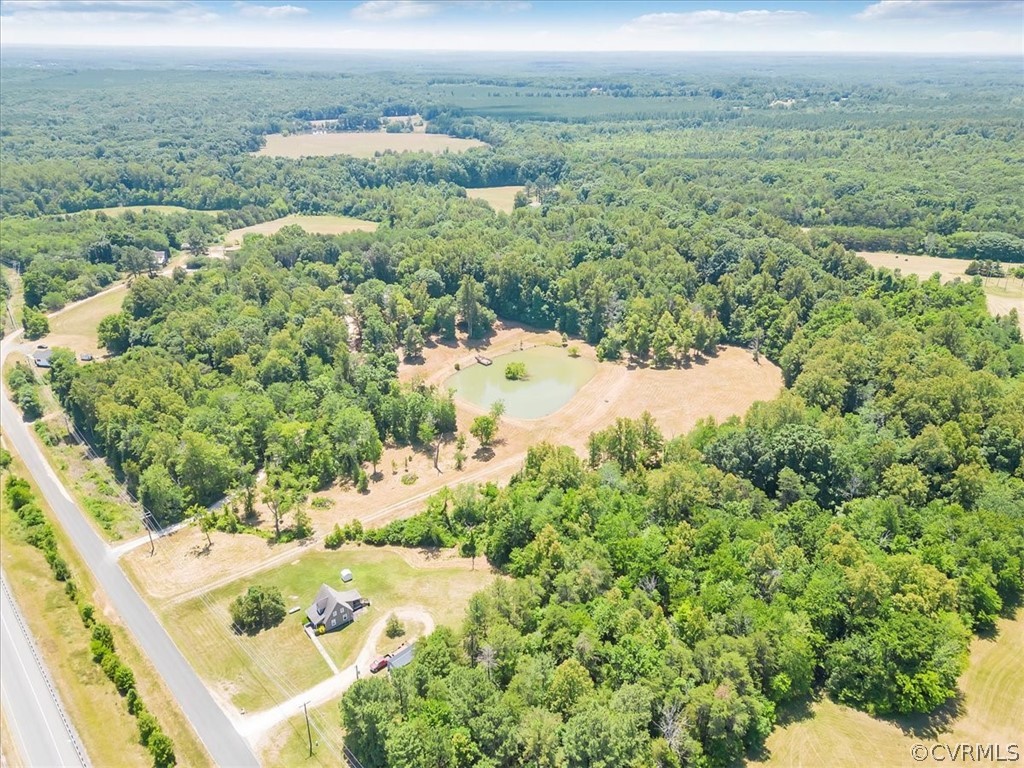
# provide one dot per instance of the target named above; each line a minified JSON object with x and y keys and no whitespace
{"x":35,"y":323}
{"x":484,"y":429}
{"x":257,"y":609}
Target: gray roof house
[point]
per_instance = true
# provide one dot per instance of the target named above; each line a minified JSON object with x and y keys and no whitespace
{"x":333,"y":609}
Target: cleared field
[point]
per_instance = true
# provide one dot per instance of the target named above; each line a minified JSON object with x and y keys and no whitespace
{"x":75,"y":327}
{"x":108,"y":732}
{"x":499,"y":198}
{"x":991,"y":712}
{"x":1002,"y":293}
{"x":121,"y":210}
{"x":315,"y":225}
{"x":12,"y":311}
{"x":257,"y":672}
{"x":362,"y":144}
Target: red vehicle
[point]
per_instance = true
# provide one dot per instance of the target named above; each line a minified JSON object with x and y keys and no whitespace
{"x":380,"y":663}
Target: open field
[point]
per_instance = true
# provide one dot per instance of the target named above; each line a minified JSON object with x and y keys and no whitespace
{"x":1002,"y":293}
{"x":121,"y":210}
{"x":75,"y":327}
{"x":362,"y":144}
{"x":288,"y":744}
{"x":499,"y":198}
{"x":991,"y":712}
{"x":316,"y":225}
{"x":12,"y":311}
{"x":108,"y":732}
{"x":257,"y":672}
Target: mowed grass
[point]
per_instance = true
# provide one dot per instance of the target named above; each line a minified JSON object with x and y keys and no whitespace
{"x":287,"y":745}
{"x":316,"y":225}
{"x":257,"y":672}
{"x":990,"y":712}
{"x":362,"y":144}
{"x":499,"y":198}
{"x":76,"y":327}
{"x":15,"y":303}
{"x":108,"y":732}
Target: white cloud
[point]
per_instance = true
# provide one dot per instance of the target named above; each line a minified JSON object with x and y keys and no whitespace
{"x":105,"y":12}
{"x":405,"y":10}
{"x":666,"y":21}
{"x":270,"y":11}
{"x":915,"y":9}
{"x":394,"y":10}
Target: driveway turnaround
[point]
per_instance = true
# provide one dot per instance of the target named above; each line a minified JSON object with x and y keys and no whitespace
{"x":43,"y":735}
{"x":225,"y":745}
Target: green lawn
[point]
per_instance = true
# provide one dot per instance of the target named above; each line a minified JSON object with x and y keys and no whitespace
{"x":257,"y":672}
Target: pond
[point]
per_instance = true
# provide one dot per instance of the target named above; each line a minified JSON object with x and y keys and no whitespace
{"x":553,"y":378}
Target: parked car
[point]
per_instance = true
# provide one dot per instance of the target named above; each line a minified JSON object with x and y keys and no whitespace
{"x":85,"y":357}
{"x":380,"y":663}
{"x":41,"y":346}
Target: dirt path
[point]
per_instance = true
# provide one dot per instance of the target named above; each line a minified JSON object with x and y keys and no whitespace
{"x":256,"y":725}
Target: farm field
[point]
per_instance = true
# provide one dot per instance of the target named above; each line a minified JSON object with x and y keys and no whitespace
{"x":362,"y":144}
{"x":316,"y":225}
{"x":501,"y":199}
{"x":1002,"y":293}
{"x":238,"y":668}
{"x":991,"y":712}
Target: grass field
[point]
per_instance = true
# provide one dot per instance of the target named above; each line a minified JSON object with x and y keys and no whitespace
{"x":108,"y":732}
{"x":288,"y":745}
{"x":121,"y":210}
{"x":75,"y":327}
{"x":316,"y":225}
{"x":362,"y":144}
{"x":991,"y":712}
{"x":499,"y":198}
{"x":15,"y":303}
{"x":257,"y":672}
{"x":1001,"y":293}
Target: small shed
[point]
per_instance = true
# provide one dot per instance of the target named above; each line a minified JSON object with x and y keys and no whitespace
{"x":346,"y":575}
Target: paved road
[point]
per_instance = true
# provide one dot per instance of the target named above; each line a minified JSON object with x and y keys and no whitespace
{"x":227,"y":747}
{"x":43,"y":734}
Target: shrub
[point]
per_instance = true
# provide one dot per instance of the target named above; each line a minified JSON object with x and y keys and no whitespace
{"x":363,"y":482}
{"x":124,"y":679}
{"x":409,"y":479}
{"x":321,"y":502}
{"x":162,"y":749}
{"x":516,"y":371}
{"x":134,"y":702}
{"x":334,"y":539}
{"x":574,"y":351}
{"x":394,"y":627}
{"x":147,"y":727}
{"x":86,"y":611}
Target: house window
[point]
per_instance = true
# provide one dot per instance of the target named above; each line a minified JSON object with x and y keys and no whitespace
{"x":333,"y":622}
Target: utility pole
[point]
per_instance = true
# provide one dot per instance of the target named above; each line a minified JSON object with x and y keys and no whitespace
{"x":309,"y":733}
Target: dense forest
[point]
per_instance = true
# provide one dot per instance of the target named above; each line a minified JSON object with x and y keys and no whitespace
{"x":668,"y":594}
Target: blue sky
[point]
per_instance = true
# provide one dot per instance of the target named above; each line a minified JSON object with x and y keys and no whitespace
{"x":915,"y":26}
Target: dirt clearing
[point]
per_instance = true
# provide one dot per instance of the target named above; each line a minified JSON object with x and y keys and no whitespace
{"x":1001,"y":293}
{"x":315,"y":225}
{"x":501,"y":199}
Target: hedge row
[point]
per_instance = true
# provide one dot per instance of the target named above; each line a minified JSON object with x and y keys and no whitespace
{"x":39,"y":533}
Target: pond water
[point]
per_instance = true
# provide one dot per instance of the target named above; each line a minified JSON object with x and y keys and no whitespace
{"x":554,"y":378}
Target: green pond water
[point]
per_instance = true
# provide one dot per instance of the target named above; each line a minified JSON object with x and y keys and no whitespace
{"x":554,"y":378}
